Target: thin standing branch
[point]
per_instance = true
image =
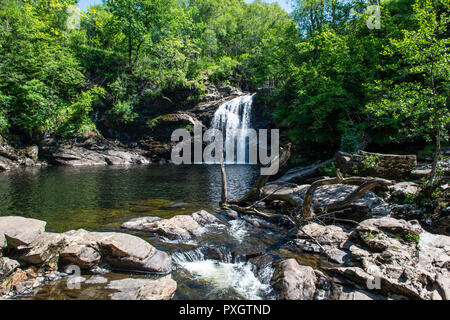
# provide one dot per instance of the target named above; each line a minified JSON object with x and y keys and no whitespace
{"x":224,"y":198}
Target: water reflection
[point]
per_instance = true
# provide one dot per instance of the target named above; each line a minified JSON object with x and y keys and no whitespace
{"x":101,"y":198}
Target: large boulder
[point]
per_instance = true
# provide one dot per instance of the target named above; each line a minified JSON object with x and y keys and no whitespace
{"x":143,"y":289}
{"x":130,"y":252}
{"x":387,"y":166}
{"x":163,"y":126}
{"x":403,"y":190}
{"x":3,"y":243}
{"x":43,"y":251}
{"x":295,"y":282}
{"x":398,"y":257}
{"x":21,"y":232}
{"x":325,"y":235}
{"x":7,"y":267}
{"x":81,"y":255}
{"x":182,"y":227}
{"x":119,"y":250}
{"x":80,"y":156}
{"x":331,"y":241}
{"x":82,"y":249}
{"x":390,"y":225}
{"x":365,"y":207}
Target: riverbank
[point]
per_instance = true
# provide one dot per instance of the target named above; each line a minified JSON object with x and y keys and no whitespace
{"x":372,"y":250}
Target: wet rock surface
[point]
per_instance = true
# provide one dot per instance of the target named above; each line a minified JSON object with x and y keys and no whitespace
{"x":405,"y":189}
{"x":11,"y":157}
{"x":79,"y":156}
{"x":182,"y":227}
{"x":34,"y":255}
{"x":396,"y":257}
{"x":143,"y":289}
{"x":19,"y":231}
{"x":294,"y":282}
{"x":90,"y":151}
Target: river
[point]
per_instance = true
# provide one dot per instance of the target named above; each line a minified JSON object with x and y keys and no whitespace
{"x":101,"y":199}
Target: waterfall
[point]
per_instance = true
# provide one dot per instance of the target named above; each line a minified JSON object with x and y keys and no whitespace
{"x":233,"y":119}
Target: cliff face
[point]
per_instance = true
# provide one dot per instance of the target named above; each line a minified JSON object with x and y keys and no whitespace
{"x":11,"y":157}
{"x":147,"y":139}
{"x":153,"y":112}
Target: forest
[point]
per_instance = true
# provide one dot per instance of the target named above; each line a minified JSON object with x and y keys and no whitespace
{"x":331,"y":80}
{"x":94,"y":206}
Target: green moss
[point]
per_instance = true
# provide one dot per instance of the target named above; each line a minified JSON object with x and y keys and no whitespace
{"x":371,"y":161}
{"x":412,"y":237}
{"x":328,"y":170}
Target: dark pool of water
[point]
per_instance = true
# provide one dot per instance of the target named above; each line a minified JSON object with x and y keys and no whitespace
{"x":101,"y":198}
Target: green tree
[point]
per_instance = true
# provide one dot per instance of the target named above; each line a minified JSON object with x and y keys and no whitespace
{"x":136,"y":19}
{"x":422,"y":92}
{"x":313,"y":15}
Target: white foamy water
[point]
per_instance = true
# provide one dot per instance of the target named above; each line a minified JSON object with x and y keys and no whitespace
{"x":238,"y":229}
{"x":225,"y":276}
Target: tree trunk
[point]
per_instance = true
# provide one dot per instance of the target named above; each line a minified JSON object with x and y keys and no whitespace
{"x":130,"y":54}
{"x":437,"y":155}
{"x":224,"y":198}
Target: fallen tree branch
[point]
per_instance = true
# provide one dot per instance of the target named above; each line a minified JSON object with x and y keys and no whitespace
{"x":367,"y":184}
{"x":253,"y":211}
{"x":266,"y":197}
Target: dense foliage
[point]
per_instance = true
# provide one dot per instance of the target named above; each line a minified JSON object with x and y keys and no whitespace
{"x":330,"y":79}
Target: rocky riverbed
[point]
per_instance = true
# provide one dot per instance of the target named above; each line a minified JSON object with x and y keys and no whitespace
{"x":368,"y":255}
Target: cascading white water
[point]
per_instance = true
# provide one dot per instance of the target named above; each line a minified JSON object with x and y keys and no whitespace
{"x":239,"y":277}
{"x":234,"y":117}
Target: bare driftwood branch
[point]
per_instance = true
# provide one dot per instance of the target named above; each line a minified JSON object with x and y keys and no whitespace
{"x":255,"y":192}
{"x":266,"y":197}
{"x":367,"y":184}
{"x":252,"y":211}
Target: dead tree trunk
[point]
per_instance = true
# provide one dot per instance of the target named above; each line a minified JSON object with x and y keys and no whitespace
{"x":224,"y":198}
{"x":367,"y":184}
